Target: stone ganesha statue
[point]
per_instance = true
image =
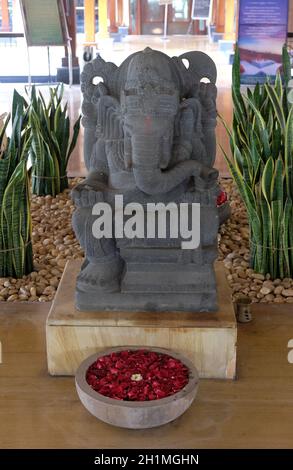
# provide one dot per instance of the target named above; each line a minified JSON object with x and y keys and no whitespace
{"x":149,"y":136}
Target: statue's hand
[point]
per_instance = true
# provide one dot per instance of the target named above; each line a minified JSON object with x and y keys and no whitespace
{"x":88,"y":194}
{"x":206,"y":179}
{"x":208,"y":95}
{"x":186,"y":124}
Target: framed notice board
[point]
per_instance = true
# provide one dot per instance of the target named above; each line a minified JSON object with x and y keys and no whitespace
{"x":262,"y":32}
{"x":44,"y":22}
{"x":201,"y":9}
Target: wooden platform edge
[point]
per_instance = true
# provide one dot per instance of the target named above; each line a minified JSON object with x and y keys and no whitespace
{"x":208,"y":339}
{"x":64,"y":313}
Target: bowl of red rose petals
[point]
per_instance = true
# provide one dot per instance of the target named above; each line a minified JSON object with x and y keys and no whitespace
{"x":136,"y":387}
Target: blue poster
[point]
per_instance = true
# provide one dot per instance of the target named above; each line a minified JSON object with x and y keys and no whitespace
{"x":262,"y":33}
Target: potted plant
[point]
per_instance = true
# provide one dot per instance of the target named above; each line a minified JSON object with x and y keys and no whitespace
{"x":16,"y":256}
{"x":261,"y":165}
{"x":51,"y":142}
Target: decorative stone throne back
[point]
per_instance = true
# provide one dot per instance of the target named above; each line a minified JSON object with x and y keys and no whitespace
{"x":149,"y":137}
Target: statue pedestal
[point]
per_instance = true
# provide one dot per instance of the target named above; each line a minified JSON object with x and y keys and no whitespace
{"x":208,"y":339}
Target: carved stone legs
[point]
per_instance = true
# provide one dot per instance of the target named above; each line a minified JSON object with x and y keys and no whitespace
{"x":102,"y":268}
{"x":150,"y":275}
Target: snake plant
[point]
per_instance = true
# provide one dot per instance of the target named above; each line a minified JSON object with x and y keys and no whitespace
{"x":16,"y":257}
{"x":51,"y":143}
{"x":261,"y":141}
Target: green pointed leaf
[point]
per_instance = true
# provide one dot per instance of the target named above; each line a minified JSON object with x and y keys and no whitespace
{"x":286,"y":64}
{"x":289,"y":153}
{"x":277,"y":105}
{"x":267,"y":179}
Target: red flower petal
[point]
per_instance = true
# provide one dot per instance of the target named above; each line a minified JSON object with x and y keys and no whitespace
{"x":222,"y":198}
{"x":162,"y":375}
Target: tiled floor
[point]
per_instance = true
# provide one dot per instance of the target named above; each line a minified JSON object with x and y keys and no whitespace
{"x":14,"y":57}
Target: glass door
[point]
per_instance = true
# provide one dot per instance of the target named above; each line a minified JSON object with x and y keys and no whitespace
{"x":179,"y":16}
{"x":152,"y":17}
{"x":147,"y":17}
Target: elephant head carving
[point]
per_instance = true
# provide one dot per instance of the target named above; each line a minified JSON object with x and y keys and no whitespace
{"x":149,"y":115}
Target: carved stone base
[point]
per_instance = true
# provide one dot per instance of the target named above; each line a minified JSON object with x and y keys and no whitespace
{"x":208,"y":339}
{"x":146,"y":302}
{"x":158,"y":285}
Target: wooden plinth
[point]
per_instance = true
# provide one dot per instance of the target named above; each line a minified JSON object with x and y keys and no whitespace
{"x":208,"y":339}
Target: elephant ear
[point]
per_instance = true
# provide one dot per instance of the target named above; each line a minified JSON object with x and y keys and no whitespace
{"x":97,"y":79}
{"x":192,"y":67}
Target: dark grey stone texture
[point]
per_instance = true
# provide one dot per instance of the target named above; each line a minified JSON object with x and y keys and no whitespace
{"x":149,"y":130}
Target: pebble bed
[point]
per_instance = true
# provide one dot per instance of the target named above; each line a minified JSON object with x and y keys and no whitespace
{"x":54,"y":243}
{"x":234,"y":251}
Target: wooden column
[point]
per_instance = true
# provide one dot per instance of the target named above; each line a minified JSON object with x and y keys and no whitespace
{"x":112,"y":12}
{"x":138,"y":18}
{"x":219,"y":6}
{"x":115,"y":14}
{"x":69,"y":6}
{"x":103,"y":19}
{"x":63,"y":72}
{"x":89,"y":21}
{"x":290,"y":20}
{"x":230,"y":19}
{"x":5,"y":16}
{"x":119,"y":12}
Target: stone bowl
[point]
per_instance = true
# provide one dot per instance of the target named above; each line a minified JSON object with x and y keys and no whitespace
{"x":136,"y":414}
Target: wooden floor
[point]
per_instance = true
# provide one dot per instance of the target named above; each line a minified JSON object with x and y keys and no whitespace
{"x":256,"y":411}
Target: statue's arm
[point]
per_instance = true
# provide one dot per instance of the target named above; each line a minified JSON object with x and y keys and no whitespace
{"x":208,"y":96}
{"x":89,"y":121}
{"x":91,"y":189}
{"x":189,"y":143}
